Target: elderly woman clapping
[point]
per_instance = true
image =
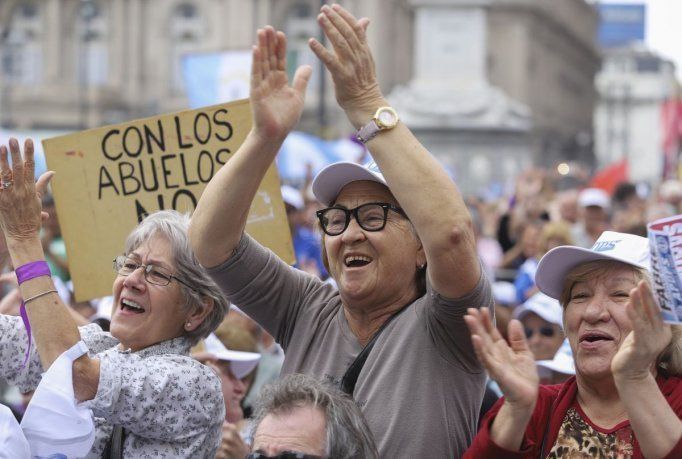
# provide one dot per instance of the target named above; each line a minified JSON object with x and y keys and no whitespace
{"x":139,"y":380}
{"x":626,"y":397}
{"x":398,"y":241}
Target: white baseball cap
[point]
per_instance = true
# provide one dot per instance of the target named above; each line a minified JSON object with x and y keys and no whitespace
{"x":330,"y":180}
{"x":241,"y":363}
{"x":594,"y":197}
{"x":562,"y":362}
{"x":626,"y":248}
{"x":542,"y":305}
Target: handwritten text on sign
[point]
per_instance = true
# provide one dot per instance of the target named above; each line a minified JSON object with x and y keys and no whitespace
{"x":107,"y":179}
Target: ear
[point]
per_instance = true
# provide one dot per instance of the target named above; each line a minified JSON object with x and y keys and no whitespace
{"x":194,"y":319}
{"x":421,"y":256}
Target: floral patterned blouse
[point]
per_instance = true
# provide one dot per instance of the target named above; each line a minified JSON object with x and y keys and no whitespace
{"x":168,"y":404}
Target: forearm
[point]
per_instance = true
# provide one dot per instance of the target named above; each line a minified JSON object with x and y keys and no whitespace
{"x":220,"y":217}
{"x":655,"y":424}
{"x":433,"y":204}
{"x":51,"y":323}
{"x":509,"y":427}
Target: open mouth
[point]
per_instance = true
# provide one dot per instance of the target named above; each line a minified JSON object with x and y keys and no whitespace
{"x":356,"y":261}
{"x":595,"y":337}
{"x":129,"y":305}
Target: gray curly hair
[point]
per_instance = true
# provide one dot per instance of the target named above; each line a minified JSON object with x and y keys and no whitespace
{"x":172,"y":226}
{"x":348,"y":436}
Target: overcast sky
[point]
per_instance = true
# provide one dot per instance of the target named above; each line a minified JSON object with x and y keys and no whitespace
{"x":663,"y":24}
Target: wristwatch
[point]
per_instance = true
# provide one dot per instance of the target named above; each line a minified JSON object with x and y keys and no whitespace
{"x":384,"y":119}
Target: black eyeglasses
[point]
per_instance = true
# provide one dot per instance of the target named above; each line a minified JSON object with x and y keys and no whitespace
{"x":284,"y":455}
{"x":545,"y":331}
{"x":156,"y":275}
{"x":371,"y":217}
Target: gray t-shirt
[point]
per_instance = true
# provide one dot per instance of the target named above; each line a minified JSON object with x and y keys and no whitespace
{"x":421,"y":387}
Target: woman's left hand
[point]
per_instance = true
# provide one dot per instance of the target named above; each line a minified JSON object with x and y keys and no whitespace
{"x":20,"y":195}
{"x":351,"y":64}
{"x":649,"y":336}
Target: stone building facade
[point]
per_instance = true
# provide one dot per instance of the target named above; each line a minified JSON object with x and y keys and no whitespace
{"x":75,"y":64}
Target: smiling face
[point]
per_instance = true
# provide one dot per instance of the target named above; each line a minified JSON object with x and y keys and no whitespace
{"x":145,"y":314}
{"x":374,"y":268}
{"x":595,"y":318}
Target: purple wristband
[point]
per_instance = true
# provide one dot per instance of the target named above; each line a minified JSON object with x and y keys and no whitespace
{"x":32,"y":270}
{"x":24,"y":273}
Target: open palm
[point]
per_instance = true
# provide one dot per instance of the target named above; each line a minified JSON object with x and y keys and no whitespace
{"x":512,"y":367}
{"x":276,"y":106}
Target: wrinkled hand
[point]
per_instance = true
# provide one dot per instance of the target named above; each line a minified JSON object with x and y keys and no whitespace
{"x":231,"y":445}
{"x":649,"y":336}
{"x":351,"y":64}
{"x":277,"y":107}
{"x":20,"y":198}
{"x":513,"y":368}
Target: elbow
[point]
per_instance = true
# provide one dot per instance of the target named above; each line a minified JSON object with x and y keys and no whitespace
{"x":85,"y":378}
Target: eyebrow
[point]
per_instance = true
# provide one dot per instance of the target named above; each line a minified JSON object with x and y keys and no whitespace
{"x":151,"y":261}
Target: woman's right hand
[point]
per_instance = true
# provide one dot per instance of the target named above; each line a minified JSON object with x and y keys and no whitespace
{"x":276,"y":106}
{"x":512,"y":367}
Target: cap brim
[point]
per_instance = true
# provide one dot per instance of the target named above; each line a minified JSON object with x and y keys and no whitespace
{"x":241,"y":363}
{"x":559,"y":261}
{"x":331,"y":180}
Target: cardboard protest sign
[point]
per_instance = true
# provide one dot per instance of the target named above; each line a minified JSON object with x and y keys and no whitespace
{"x":107,"y":179}
{"x":665,"y":237}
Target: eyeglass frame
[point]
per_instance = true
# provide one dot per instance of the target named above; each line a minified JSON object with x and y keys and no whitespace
{"x":147,"y":270}
{"x":354,"y":212}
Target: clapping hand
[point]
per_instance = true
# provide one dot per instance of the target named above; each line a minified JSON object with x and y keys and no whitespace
{"x":512,"y":367}
{"x":277,"y":107}
{"x":351,"y":64}
{"x":20,"y":195}
{"x":649,"y":336}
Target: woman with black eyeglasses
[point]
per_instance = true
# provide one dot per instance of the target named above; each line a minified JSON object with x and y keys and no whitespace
{"x":625,"y":400}
{"x":397,"y":241}
{"x":149,"y":398}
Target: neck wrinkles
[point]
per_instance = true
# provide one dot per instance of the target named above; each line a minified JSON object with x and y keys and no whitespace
{"x":365,"y":322}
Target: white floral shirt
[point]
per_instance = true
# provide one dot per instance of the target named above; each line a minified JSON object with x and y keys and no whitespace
{"x":168,"y":404}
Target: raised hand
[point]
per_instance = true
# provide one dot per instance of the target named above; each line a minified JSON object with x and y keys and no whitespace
{"x":649,"y":336}
{"x":20,"y":195}
{"x":351,"y":64}
{"x":277,"y":107}
{"x":513,"y":368}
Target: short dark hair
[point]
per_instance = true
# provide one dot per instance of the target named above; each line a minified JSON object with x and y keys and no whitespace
{"x":348,"y":436}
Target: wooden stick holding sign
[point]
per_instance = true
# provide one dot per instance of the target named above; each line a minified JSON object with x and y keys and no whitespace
{"x":107,"y":179}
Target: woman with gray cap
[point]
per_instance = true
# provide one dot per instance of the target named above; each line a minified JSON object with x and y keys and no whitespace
{"x":626,"y":397}
{"x":397,"y":240}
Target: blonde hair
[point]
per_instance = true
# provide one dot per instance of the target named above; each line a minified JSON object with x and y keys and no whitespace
{"x":670,"y":360}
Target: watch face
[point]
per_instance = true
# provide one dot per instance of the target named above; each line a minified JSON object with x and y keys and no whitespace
{"x":387,"y":118}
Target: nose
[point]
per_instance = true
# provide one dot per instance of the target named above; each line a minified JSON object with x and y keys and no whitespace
{"x":597,"y":309}
{"x":136,"y":280}
{"x":353,"y":233}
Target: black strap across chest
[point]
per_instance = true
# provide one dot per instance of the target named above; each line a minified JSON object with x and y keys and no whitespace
{"x":350,"y":378}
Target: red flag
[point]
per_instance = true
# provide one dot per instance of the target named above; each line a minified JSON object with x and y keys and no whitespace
{"x":608,"y":178}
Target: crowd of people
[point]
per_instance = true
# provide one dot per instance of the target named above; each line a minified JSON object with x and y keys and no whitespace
{"x":417,"y":322}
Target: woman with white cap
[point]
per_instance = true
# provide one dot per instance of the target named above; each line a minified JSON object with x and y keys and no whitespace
{"x":625,"y":399}
{"x":541,"y":317}
{"x":397,"y":240}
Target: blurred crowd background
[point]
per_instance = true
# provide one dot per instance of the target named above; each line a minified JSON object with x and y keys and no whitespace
{"x":553,"y":117}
